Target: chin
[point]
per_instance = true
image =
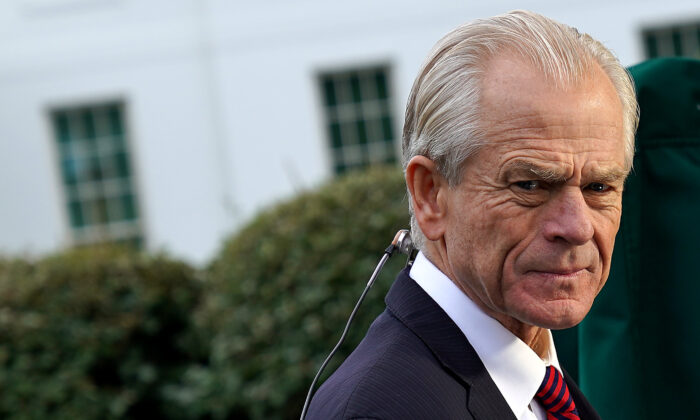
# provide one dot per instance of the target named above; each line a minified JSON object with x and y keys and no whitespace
{"x":557,"y":315}
{"x":562,"y":324}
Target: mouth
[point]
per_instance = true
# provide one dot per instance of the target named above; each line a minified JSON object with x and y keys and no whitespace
{"x":559,"y":273}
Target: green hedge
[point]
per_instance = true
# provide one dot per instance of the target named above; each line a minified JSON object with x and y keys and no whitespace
{"x":108,"y":333}
{"x":280,"y":291}
{"x":94,"y":333}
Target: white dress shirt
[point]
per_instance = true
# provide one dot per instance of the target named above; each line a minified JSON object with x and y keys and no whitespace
{"x":514,"y":367}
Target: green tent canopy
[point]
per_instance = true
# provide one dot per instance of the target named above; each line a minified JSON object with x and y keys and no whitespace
{"x":638,"y":348}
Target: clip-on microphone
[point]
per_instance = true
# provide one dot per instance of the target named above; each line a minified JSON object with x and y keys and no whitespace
{"x":402,"y":243}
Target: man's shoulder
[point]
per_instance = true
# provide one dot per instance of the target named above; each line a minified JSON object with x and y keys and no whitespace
{"x":391,"y":374}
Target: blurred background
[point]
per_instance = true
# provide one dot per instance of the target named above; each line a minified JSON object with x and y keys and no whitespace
{"x":211,"y":142}
{"x":169,"y":123}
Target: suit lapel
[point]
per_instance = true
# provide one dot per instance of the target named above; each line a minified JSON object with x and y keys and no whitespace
{"x":415,"y":309}
{"x":584,"y":408}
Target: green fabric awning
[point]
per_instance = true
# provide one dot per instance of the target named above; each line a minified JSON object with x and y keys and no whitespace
{"x":638,"y":348}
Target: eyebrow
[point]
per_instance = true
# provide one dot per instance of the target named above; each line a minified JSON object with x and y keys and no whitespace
{"x":554,"y":176}
{"x":549,"y":175}
{"x":610,"y":175}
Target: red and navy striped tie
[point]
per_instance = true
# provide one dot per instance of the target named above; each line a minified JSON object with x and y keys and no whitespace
{"x":555,"y":397}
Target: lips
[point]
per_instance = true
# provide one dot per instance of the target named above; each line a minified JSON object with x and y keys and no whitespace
{"x":559,"y":271}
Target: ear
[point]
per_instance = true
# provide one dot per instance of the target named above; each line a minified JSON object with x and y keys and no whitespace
{"x":428,"y":192}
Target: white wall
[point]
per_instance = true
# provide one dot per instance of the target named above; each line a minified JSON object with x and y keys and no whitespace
{"x":223,"y":108}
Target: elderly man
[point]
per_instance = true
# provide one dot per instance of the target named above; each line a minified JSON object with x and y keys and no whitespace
{"x":519,"y":134}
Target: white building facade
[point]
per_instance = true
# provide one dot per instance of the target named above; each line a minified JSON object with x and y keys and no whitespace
{"x":171,"y":122}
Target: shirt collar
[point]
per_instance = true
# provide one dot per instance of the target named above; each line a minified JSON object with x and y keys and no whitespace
{"x":514,"y":367}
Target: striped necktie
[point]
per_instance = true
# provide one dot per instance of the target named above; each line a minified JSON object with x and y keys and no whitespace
{"x":555,"y":397}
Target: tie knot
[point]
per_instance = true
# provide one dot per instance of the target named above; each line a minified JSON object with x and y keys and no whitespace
{"x":555,"y":398}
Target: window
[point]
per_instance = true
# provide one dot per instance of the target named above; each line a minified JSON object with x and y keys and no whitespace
{"x":358,"y":118}
{"x":96,"y":174}
{"x":670,"y":41}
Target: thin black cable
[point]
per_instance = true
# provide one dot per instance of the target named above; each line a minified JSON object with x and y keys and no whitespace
{"x":387,"y":253}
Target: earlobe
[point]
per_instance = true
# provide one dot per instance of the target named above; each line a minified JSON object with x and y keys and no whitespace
{"x":427,"y":186}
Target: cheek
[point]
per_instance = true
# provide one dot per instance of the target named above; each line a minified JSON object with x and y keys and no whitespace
{"x":494,"y":236}
{"x":515,"y":229}
{"x":493,"y":231}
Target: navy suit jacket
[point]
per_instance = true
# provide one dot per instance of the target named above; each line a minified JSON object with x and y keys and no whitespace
{"x":415,"y":363}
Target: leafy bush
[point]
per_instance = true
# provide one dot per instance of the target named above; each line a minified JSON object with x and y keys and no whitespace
{"x":94,"y":333}
{"x":280,"y":292}
{"x":108,"y":333}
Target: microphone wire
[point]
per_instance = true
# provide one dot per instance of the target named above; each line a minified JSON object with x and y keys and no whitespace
{"x":387,"y":253}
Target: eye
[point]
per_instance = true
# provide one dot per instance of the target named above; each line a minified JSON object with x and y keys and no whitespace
{"x":528,"y":185}
{"x":598,"y":187}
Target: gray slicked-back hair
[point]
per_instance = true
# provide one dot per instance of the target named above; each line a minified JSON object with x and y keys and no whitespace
{"x":442,"y":114}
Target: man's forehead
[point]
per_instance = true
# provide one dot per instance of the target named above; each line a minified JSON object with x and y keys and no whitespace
{"x":508,"y":76}
{"x":512,"y":70}
{"x":518,"y":103}
{"x":527,"y":124}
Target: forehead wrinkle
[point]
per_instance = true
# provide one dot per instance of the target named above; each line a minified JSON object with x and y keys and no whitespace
{"x":513,"y":131}
{"x":532,"y":123}
{"x":524,"y":126}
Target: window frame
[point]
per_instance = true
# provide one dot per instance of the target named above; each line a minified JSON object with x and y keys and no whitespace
{"x":351,"y":111}
{"x":129,"y":231}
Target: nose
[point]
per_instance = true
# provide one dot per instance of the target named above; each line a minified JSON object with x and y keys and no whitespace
{"x":569,"y":218}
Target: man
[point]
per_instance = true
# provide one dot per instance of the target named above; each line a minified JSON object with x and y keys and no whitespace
{"x":519,"y":134}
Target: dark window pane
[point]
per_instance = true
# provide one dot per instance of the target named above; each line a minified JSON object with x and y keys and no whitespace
{"x":336,"y":137}
{"x":115,"y":121}
{"x":387,"y":129}
{"x":652,"y":49}
{"x":89,"y":213}
{"x":677,"y":43}
{"x":355,"y":86}
{"x":76,"y":214}
{"x":88,"y":123}
{"x":70,"y":171}
{"x":380,"y":79}
{"x":128,"y":207}
{"x":361,"y":132}
{"x":102,"y":210}
{"x":101,"y":119}
{"x":94,"y":172}
{"x":122,"y":165}
{"x":62,"y":128}
{"x":329,"y":90}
